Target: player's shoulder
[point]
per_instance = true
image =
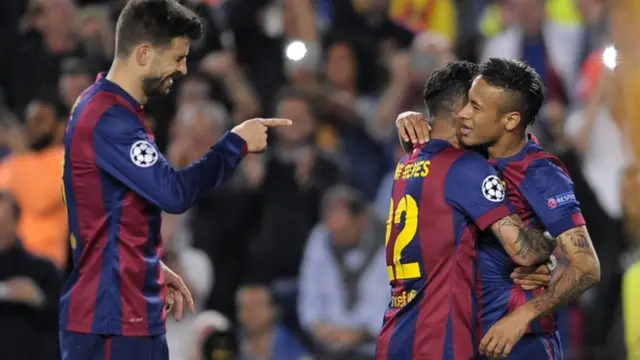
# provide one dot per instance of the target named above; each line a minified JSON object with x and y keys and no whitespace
{"x":468,"y":161}
{"x":541,"y":164}
{"x":97,"y":105}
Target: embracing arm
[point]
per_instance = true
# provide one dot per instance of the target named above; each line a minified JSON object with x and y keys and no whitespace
{"x":582,"y":273}
{"x":526,"y":247}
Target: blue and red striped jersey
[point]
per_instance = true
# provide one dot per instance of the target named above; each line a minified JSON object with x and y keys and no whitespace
{"x":442,"y":198}
{"x":539,"y":187}
{"x":115,"y":185}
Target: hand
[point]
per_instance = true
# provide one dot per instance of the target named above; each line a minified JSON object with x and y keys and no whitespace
{"x":218,"y":63}
{"x":322,"y":333}
{"x":413,"y":127}
{"x":532,"y":277}
{"x":25,"y":290}
{"x":254,"y":132}
{"x":503,"y":335}
{"x":348,"y":338}
{"x":177,"y":294}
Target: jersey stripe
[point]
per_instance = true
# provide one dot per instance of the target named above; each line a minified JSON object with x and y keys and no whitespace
{"x":131,"y":248}
{"x":91,"y":218}
{"x":437,"y":221}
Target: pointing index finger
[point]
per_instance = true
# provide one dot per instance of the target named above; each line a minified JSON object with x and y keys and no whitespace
{"x":275,"y":122}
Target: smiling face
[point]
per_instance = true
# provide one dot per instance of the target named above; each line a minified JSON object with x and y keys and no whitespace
{"x":484,"y":120}
{"x":481,"y":118}
{"x":163,"y":65}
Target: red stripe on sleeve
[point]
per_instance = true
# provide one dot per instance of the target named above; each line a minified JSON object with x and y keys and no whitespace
{"x":492,"y":216}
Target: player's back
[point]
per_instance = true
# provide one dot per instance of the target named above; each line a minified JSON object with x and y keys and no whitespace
{"x":436,"y":211}
{"x":536,"y":182}
{"x":114,"y":233}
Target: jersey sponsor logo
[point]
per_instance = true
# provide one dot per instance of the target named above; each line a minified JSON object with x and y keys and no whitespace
{"x":143,"y":154}
{"x":493,"y":189}
{"x":561,"y":200}
{"x":398,"y":301}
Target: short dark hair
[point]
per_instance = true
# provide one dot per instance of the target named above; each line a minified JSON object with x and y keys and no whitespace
{"x":155,"y":21}
{"x":344,"y":195}
{"x":522,"y":84}
{"x":447,"y":88}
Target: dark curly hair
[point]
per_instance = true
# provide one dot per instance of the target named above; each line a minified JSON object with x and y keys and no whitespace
{"x":447,"y":88}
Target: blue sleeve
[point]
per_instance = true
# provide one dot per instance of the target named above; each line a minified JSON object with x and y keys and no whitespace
{"x":473,"y":187}
{"x":125,"y":151}
{"x":549,"y":192}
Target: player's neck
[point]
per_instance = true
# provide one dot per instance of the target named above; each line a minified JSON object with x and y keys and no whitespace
{"x":442,"y":131}
{"x":507,"y":146}
{"x":119,"y":75}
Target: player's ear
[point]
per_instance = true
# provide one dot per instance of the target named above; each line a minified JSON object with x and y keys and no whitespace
{"x":512,"y":120}
{"x":143,"y":54}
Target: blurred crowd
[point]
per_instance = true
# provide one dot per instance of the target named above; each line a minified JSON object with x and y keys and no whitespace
{"x":285,"y":260}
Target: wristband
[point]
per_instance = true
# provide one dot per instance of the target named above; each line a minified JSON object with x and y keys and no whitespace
{"x":552,"y":263}
{"x":5,"y":291}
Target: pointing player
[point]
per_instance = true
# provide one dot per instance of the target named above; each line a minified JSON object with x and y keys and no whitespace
{"x":116,"y":183}
{"x":442,"y":198}
{"x":503,"y":100}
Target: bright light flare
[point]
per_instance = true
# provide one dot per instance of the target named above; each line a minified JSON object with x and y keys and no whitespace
{"x":610,"y":57}
{"x":296,"y":50}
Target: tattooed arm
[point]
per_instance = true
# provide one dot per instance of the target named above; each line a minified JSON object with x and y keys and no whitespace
{"x":582,"y":273}
{"x":526,"y":247}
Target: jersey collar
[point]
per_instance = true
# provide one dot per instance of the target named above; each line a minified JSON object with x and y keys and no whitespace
{"x":531,"y":145}
{"x":102,"y":82}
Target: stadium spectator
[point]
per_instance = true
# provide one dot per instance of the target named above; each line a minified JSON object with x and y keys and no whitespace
{"x":212,"y":338}
{"x":196,"y":270}
{"x":293,"y":176}
{"x":29,"y":289}
{"x":34,"y":178}
{"x":221,"y":222}
{"x":343,"y":281}
{"x":550,"y":48}
{"x":75,"y":76}
{"x":261,"y":335}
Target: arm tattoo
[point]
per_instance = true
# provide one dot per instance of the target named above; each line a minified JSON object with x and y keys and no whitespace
{"x":529,"y":242}
{"x":581,"y":274}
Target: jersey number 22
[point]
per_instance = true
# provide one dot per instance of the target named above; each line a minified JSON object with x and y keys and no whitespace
{"x":409,"y":207}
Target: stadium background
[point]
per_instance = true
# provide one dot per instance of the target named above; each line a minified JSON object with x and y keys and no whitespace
{"x":256,"y":252}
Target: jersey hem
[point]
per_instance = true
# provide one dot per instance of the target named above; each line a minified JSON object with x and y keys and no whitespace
{"x":154,"y":330}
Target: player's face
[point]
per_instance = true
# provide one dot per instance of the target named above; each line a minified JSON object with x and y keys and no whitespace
{"x":481,"y":120}
{"x":255,"y":311}
{"x":165,"y":65}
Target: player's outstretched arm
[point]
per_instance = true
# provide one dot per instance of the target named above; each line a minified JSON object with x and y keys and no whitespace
{"x":124,"y":150}
{"x":525,"y":246}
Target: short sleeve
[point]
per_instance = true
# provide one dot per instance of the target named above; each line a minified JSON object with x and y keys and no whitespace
{"x":549,"y":191}
{"x":473,"y":187}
